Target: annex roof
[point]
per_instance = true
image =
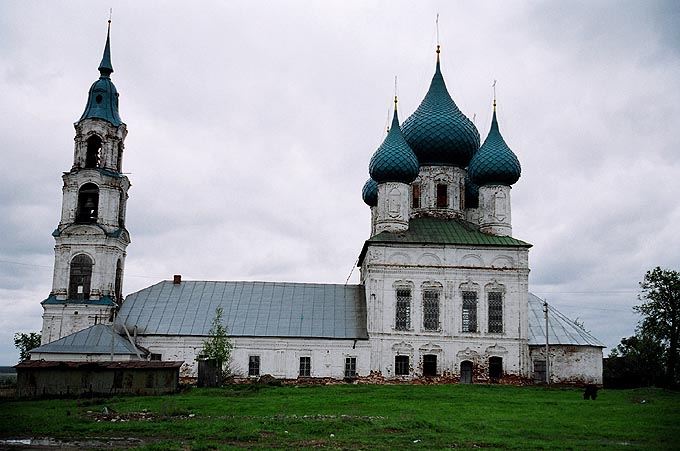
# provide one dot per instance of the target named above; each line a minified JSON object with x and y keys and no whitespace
{"x":441,"y":231}
{"x":93,"y":340}
{"x":253,"y":309}
{"x":562,"y":330}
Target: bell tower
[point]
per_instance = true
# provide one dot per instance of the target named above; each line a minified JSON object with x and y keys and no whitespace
{"x":91,"y":238}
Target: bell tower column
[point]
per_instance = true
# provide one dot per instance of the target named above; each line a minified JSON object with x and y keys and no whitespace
{"x":91,"y":238}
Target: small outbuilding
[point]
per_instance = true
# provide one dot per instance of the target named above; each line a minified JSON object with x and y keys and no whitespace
{"x":54,"y":378}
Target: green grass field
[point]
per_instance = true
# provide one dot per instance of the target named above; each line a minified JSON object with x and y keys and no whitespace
{"x":361,"y":417}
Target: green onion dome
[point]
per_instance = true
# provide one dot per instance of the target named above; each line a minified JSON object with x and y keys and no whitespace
{"x":471,"y":193}
{"x":494,"y":163}
{"x":394,"y":161}
{"x":437,"y":131}
{"x":102,"y":100}
{"x":370,"y":193}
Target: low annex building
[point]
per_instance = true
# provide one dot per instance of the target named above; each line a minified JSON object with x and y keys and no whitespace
{"x":444,"y":288}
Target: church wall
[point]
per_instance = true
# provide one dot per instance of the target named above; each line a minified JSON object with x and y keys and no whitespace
{"x":61,"y":320}
{"x":571,"y":364}
{"x":279,"y":357}
{"x":449,"y":271}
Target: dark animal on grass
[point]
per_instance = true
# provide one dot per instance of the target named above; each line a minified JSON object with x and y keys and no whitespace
{"x":591,"y":392}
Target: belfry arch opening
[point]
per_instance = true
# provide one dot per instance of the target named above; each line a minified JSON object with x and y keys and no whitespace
{"x":88,"y":204}
{"x":80,"y":277}
{"x":94,"y":150}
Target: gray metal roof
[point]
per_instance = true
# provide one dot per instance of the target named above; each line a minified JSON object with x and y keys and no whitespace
{"x":562,"y":330}
{"x":93,"y":340}
{"x":256,"y":309}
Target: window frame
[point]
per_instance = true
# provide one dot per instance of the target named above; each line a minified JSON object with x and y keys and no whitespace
{"x":305,"y":369}
{"x":469,"y":311}
{"x":402,"y":365}
{"x":350,"y":366}
{"x":431,"y":320}
{"x":254,"y":365}
{"x":495,"y":312}
{"x":403,"y":308}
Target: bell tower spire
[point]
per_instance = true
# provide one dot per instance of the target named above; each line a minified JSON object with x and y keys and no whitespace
{"x":91,"y":238}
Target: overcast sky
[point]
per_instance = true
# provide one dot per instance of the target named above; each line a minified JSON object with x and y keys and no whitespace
{"x":251,"y":126}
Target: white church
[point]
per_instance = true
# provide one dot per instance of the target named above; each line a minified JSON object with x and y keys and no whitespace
{"x":444,"y":291}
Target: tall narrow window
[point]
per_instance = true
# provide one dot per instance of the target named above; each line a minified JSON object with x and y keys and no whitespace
{"x":80,"y":277}
{"x":305,"y":366}
{"x":469,"y":313}
{"x":121,"y":210}
{"x":119,"y":160}
{"x":350,"y":366}
{"x":401,"y":365}
{"x":442,"y":196}
{"x":495,"y":312}
{"x":119,"y":281}
{"x":88,"y":203}
{"x":430,"y":309}
{"x":415,"y":192}
{"x":254,"y":365}
{"x":93,"y":155}
{"x":403,"y":309}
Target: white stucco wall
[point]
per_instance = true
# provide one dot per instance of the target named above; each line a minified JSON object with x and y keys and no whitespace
{"x":570,"y":364}
{"x":279,"y":357}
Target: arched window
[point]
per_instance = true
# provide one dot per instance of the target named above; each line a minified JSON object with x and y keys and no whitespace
{"x":94,"y":148}
{"x":80,"y":277}
{"x":119,"y":282}
{"x":88,"y":203}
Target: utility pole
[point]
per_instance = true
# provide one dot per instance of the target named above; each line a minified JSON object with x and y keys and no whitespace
{"x":547,"y":345}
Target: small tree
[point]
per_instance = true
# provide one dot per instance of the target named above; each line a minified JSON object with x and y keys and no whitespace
{"x":218,"y":346}
{"x":25,"y":342}
{"x":661,"y":310}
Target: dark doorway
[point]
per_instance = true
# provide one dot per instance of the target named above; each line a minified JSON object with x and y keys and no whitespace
{"x":466,"y":372}
{"x":495,"y":368}
{"x":539,"y":371}
{"x":429,"y":365}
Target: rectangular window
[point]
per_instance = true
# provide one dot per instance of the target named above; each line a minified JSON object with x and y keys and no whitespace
{"x":496,"y":313}
{"x":401,"y":366}
{"x":254,"y":365}
{"x":403,"y":309}
{"x":155,"y":356}
{"x":415,"y":198}
{"x":431,"y":309}
{"x":469,"y":311}
{"x":305,"y":366}
{"x":442,"y":196}
{"x":350,"y":367}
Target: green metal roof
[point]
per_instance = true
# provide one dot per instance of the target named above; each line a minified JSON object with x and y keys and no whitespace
{"x":104,"y":300}
{"x":442,"y":231}
{"x":494,"y":163}
{"x":437,"y":131}
{"x":102,"y":100}
{"x":394,"y":161}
